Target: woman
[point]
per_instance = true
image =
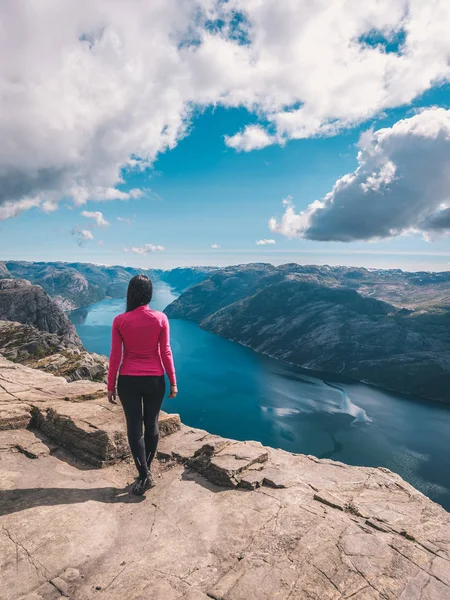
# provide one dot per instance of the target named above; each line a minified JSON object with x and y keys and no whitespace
{"x":143,"y":334}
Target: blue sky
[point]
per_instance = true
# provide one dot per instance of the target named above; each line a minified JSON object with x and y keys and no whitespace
{"x":202,"y":190}
{"x":203,"y":193}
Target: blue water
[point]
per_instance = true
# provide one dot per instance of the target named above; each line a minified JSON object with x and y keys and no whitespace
{"x":230,"y":390}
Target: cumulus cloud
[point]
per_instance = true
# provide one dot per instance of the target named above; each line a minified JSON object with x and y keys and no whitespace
{"x":319,"y":67}
{"x":97,"y":216}
{"x":10,"y":208}
{"x":253,"y":137}
{"x":145,"y":249}
{"x":110,"y":85}
{"x":215,"y":246}
{"x":401,"y":186}
{"x":264,"y":242}
{"x":82,"y":235}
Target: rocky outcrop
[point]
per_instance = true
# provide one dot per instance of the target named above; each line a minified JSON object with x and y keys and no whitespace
{"x":35,"y":331}
{"x":324,"y":328}
{"x":28,"y":304}
{"x":75,"y":415}
{"x":227,"y":520}
{"x":46,"y":351}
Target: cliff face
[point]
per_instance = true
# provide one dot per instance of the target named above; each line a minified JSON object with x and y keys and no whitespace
{"x":325,"y":327}
{"x":227,"y":520}
{"x":28,"y":304}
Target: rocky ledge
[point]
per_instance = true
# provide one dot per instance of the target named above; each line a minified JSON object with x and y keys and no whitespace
{"x":227,"y":520}
{"x":48,"y":352}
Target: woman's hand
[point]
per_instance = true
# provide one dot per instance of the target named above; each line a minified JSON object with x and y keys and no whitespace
{"x":112,"y":397}
{"x":173,"y":391}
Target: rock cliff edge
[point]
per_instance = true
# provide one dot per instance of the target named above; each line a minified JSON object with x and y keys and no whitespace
{"x":227,"y":520}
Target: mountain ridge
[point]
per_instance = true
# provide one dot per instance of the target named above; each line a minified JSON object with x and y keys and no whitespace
{"x":74,"y":285}
{"x":333,"y":329}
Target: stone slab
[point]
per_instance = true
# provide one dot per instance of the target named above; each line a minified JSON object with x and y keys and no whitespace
{"x":81,"y":533}
{"x":31,"y":385}
{"x":14,"y":415}
{"x":94,"y":431}
{"x":24,"y":441}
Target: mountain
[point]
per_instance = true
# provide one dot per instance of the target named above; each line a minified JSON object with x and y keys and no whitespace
{"x":35,"y":331}
{"x":400,"y":288}
{"x":183,"y":277}
{"x":73,"y":285}
{"x":311,"y":317}
{"x":4,"y":273}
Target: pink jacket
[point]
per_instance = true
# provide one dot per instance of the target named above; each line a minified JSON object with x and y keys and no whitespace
{"x":140,"y":345}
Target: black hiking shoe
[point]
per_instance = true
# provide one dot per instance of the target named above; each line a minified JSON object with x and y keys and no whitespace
{"x":142,"y":485}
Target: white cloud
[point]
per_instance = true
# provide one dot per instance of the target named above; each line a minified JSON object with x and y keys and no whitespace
{"x":127,"y":220}
{"x":264,"y":242}
{"x":145,"y":249}
{"x":101,"y":243}
{"x":400,"y":187}
{"x":110,"y":85}
{"x":253,"y":137}
{"x":215,"y":246}
{"x":11,"y":209}
{"x":86,"y":234}
{"x":82,"y":235}
{"x":97,"y":216}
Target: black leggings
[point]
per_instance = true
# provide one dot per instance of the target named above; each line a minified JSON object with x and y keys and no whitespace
{"x":134,"y":392}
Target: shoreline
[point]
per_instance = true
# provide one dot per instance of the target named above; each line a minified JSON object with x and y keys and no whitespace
{"x":318,"y":374}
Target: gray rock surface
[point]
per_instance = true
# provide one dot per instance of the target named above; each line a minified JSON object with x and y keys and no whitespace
{"x":227,"y":520}
{"x":49,"y":352}
{"x":28,"y":304}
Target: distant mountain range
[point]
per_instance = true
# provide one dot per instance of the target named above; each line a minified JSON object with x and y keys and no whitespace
{"x":386,"y":327}
{"x":73,"y":285}
{"x":334,"y":319}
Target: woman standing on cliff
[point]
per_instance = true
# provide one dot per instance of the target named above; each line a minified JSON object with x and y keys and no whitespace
{"x":140,"y":352}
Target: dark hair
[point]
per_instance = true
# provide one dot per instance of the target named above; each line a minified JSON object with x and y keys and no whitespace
{"x":139,"y":292}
